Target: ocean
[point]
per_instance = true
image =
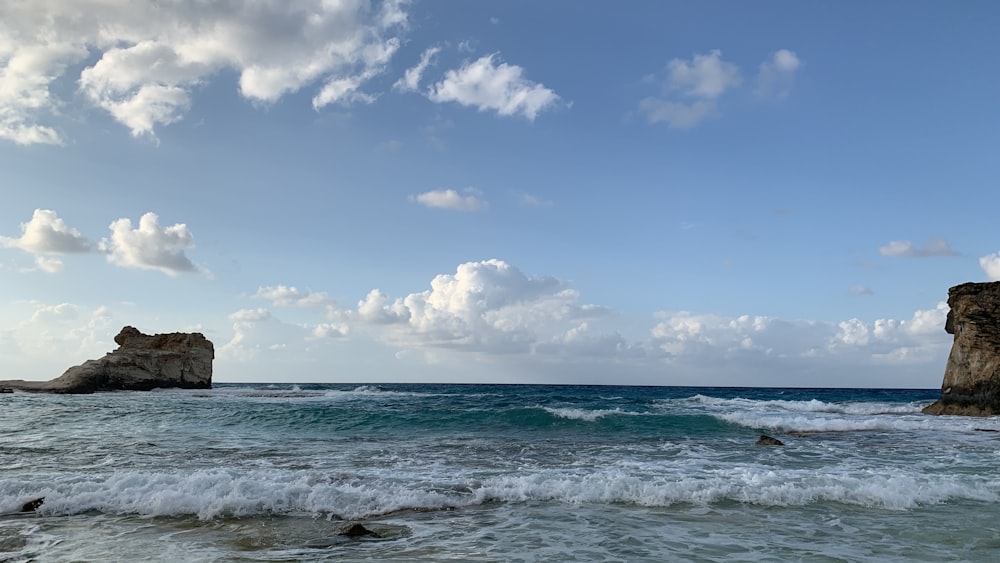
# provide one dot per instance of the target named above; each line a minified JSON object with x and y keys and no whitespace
{"x":496,"y":473}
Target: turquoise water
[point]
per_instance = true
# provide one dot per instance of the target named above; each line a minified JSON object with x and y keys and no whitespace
{"x":496,"y":473}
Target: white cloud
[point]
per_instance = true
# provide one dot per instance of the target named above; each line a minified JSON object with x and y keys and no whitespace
{"x":490,"y":311}
{"x":777,"y":74}
{"x":149,"y":56}
{"x":375,"y":308}
{"x":48,"y":265}
{"x":250,"y":315}
{"x":487,"y":306}
{"x":329,"y":330}
{"x":705,"y":77}
{"x":42,"y":340}
{"x":451,"y":199}
{"x":693,"y":87}
{"x":60,"y":312}
{"x":291,"y":296}
{"x":410,"y":82}
{"x":46,"y":233}
{"x":699,"y":339}
{"x":502,"y":88}
{"x":906,"y":249}
{"x":991,"y":266}
{"x":150,"y":246}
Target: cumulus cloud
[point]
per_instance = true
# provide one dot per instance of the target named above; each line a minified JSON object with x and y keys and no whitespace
{"x":410,"y":82}
{"x":991,"y":266}
{"x":502,"y":88}
{"x":777,"y":74}
{"x":906,"y":249}
{"x":451,"y":199}
{"x":693,"y":87}
{"x":539,"y":327}
{"x":708,"y":339}
{"x":488,"y":306}
{"x":46,"y":233}
{"x":149,"y":56}
{"x":149,"y":246}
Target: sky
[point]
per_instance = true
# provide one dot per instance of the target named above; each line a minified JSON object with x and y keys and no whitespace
{"x":650,"y":193}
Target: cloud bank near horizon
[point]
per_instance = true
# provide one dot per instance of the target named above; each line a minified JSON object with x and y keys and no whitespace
{"x":493,"y":312}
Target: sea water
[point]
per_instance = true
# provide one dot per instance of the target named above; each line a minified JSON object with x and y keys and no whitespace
{"x":496,"y":473}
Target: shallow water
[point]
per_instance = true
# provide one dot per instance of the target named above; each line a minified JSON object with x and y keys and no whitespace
{"x":497,"y":473}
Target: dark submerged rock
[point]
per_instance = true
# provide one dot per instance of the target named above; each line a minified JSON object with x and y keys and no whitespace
{"x":32,"y":505}
{"x":355,"y":530}
{"x":766,"y":440}
{"x":971,"y":383}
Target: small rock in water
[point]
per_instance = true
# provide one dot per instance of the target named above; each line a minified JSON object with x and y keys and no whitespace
{"x":356,"y":530}
{"x":766,"y":440}
{"x":32,"y":505}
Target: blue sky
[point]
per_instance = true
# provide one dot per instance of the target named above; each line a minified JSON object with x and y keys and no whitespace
{"x":675,"y":193}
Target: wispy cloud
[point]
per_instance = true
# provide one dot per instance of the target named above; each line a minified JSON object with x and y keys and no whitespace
{"x":905,"y":249}
{"x":861,"y":290}
{"x":777,"y":75}
{"x":693,"y":87}
{"x":410,"y":82}
{"x":291,"y":296}
{"x":451,"y":199}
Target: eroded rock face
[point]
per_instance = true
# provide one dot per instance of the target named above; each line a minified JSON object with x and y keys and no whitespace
{"x":141,"y":362}
{"x":972,"y":376}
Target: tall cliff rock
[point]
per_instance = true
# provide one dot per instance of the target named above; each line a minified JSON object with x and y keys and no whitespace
{"x":972,"y":376}
{"x":141,"y":362}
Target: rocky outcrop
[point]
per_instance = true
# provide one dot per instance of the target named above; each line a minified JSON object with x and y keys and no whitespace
{"x":972,"y":376}
{"x":141,"y":362}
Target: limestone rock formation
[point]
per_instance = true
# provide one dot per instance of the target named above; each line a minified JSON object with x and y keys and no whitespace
{"x":972,"y":376}
{"x":141,"y":362}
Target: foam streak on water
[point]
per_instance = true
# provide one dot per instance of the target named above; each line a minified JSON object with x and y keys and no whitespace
{"x":496,"y":473}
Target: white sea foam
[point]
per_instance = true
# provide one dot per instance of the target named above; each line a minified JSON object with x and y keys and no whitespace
{"x":590,"y":415}
{"x":212,"y":493}
{"x":813,"y":406}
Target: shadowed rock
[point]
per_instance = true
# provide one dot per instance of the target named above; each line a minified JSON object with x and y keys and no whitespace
{"x":972,"y":376}
{"x":32,"y":505}
{"x":355,"y":530}
{"x":141,"y":362}
{"x":766,"y":440}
